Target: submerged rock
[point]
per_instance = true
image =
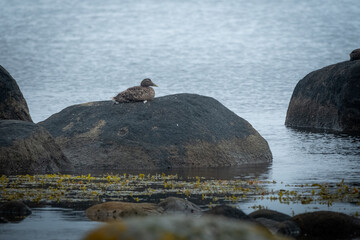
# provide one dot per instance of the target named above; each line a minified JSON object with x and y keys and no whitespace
{"x":176,"y":131}
{"x":327,"y":225}
{"x":12,"y":103}
{"x":327,"y":99}
{"x":111,"y":211}
{"x":180,"y":227}
{"x":26,"y":148}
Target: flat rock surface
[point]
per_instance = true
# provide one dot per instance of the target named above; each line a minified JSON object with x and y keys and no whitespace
{"x":182,"y":130}
{"x":327,"y":99}
{"x":28,"y":148}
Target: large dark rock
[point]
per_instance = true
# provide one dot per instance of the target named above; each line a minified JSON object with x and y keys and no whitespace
{"x":183,"y":130}
{"x":228,"y":211}
{"x":28,"y":148}
{"x":14,"y":211}
{"x":12,"y":102}
{"x":327,"y":225}
{"x":328,"y":99}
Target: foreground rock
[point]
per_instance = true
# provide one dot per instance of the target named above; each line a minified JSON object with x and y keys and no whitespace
{"x":12,"y":103}
{"x":28,"y":148}
{"x":327,"y":225}
{"x":180,"y":227}
{"x":328,"y":99}
{"x":176,"y":131}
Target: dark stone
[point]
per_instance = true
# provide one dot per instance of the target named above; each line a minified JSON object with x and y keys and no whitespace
{"x":176,"y":131}
{"x":270,"y":214}
{"x":13,"y":211}
{"x":288,"y":228}
{"x":355,"y":55}
{"x":228,"y":211}
{"x":327,"y":99}
{"x":28,"y":148}
{"x":12,"y":103}
{"x":327,"y":225}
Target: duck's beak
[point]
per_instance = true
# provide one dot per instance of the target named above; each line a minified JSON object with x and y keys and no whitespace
{"x":155,"y":85}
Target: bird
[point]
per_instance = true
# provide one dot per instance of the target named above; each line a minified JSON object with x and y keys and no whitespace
{"x":142,"y":93}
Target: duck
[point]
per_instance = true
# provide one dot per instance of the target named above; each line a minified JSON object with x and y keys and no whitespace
{"x":142,"y":93}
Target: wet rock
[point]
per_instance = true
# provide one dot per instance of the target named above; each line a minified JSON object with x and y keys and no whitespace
{"x":355,"y":55}
{"x":111,"y":211}
{"x":179,"y":205}
{"x":176,"y":131}
{"x":13,"y":211}
{"x":26,"y":148}
{"x":180,"y":227}
{"x":12,"y":103}
{"x":327,"y":99}
{"x":269,"y":214}
{"x":327,"y":225}
{"x":228,"y":211}
{"x":288,"y":228}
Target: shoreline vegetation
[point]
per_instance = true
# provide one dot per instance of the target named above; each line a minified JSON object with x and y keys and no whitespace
{"x":83,"y":191}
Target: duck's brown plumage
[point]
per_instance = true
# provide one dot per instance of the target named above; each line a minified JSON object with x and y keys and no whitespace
{"x":144,"y":92}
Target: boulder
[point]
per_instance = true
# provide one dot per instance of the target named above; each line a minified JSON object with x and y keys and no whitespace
{"x":26,"y":148}
{"x":327,"y":225}
{"x":180,"y":227}
{"x":327,"y":99}
{"x":110,"y":211}
{"x":12,"y":103}
{"x":179,"y":205}
{"x":176,"y":131}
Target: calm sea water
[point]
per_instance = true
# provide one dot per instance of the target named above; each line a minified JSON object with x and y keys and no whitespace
{"x":249,"y":55}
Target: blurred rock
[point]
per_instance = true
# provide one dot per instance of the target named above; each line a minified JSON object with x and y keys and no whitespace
{"x":327,"y":225}
{"x":269,"y":214}
{"x":13,"y":211}
{"x":228,"y":211}
{"x":12,"y":103}
{"x":179,"y":205}
{"x":111,"y":211}
{"x":180,"y":227}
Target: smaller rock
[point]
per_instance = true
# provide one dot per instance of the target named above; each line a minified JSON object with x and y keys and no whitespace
{"x":288,"y":228}
{"x":179,"y":205}
{"x":270,"y":214}
{"x":328,"y":225}
{"x":355,"y":55}
{"x":112,"y":211}
{"x":228,"y":211}
{"x":13,"y":211}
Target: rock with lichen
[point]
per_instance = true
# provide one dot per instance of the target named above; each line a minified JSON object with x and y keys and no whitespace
{"x":12,"y":103}
{"x":110,"y":211}
{"x":176,"y":131}
{"x":181,"y":227}
{"x":327,"y":99}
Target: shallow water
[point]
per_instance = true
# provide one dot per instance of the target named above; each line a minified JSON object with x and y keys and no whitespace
{"x":249,"y":55}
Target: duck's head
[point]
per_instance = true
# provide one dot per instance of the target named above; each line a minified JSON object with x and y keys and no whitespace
{"x":147,"y":83}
